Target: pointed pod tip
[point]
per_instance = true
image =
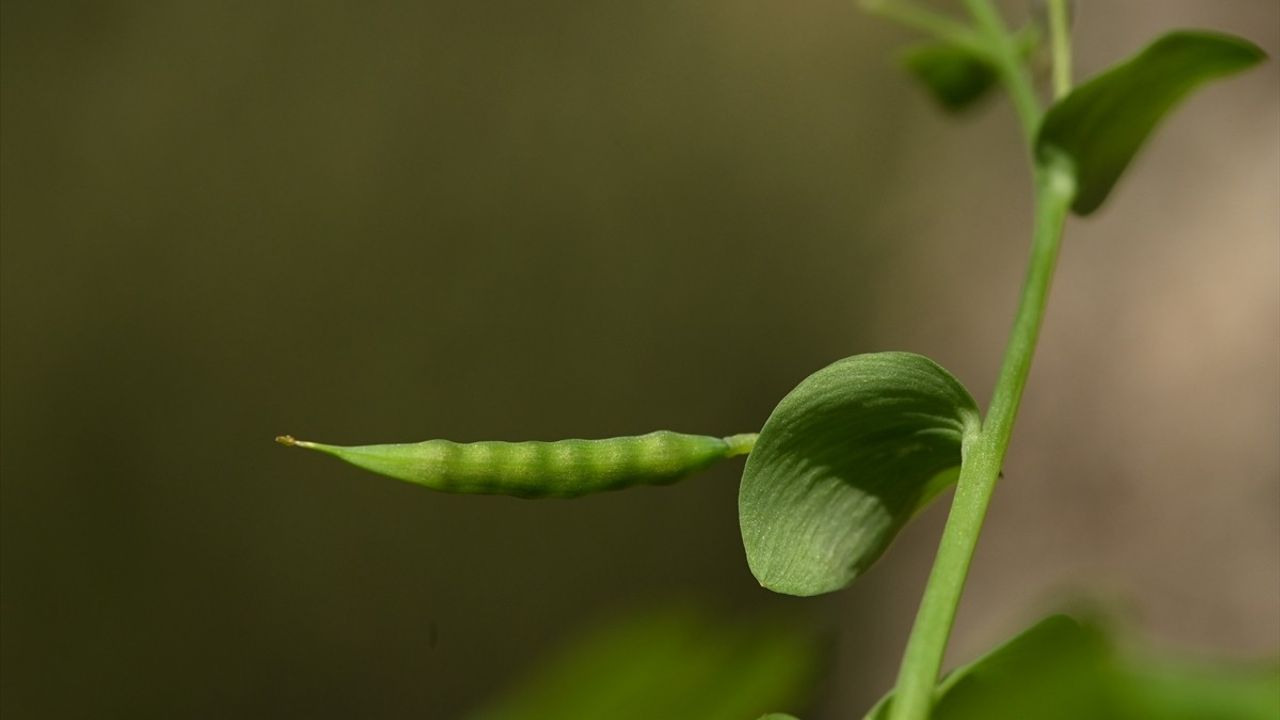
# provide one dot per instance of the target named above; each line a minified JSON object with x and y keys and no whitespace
{"x":291,"y":441}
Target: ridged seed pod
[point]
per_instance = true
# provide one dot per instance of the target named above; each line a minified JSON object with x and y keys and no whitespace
{"x":563,"y":468}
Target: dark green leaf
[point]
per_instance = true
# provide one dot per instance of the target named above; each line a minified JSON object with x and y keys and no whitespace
{"x":956,"y":77}
{"x":1061,"y":669}
{"x":1101,"y":125}
{"x":1047,"y":672}
{"x":676,"y":664}
{"x":843,"y":462}
{"x":1054,"y":671}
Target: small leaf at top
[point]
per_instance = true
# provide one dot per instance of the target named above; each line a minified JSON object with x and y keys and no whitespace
{"x":956,"y":77}
{"x":1101,"y":125}
{"x":843,"y":462}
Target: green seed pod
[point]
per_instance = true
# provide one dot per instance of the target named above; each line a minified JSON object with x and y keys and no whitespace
{"x":564,"y":468}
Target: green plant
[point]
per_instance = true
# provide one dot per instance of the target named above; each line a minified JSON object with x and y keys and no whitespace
{"x":859,"y":447}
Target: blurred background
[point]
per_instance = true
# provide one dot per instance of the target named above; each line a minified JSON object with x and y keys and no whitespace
{"x":391,"y":221}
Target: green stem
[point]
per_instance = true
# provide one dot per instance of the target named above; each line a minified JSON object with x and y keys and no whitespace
{"x":984,"y":452}
{"x":1012,"y":71}
{"x":741,"y":444}
{"x":1060,"y":37}
{"x":983,"y":458}
{"x":926,"y":20}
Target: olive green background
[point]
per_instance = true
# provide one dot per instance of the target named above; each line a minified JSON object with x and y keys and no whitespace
{"x":383,"y":221}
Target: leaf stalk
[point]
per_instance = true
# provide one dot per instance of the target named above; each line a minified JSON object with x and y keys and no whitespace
{"x":1060,"y":38}
{"x":913,"y":15}
{"x":1013,"y":72}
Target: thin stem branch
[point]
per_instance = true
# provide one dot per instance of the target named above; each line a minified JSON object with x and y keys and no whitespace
{"x":926,"y":20}
{"x":986,"y":16}
{"x":1008,"y":60}
{"x":1060,"y":37}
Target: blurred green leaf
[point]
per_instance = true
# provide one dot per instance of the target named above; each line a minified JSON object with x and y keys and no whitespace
{"x":1102,"y":124}
{"x":843,"y":462}
{"x":1165,"y":690}
{"x":1054,"y":670}
{"x":1061,"y":669}
{"x":1046,"y":669}
{"x":955,"y":76}
{"x":674,"y":663}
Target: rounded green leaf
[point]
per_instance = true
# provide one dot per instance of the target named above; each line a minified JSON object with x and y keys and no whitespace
{"x":843,"y":462}
{"x":1103,"y":123}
